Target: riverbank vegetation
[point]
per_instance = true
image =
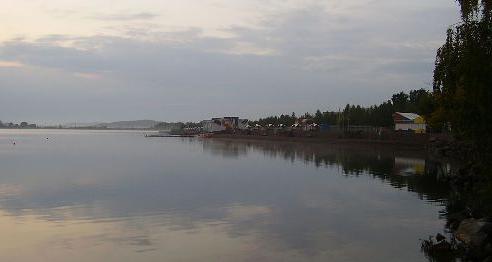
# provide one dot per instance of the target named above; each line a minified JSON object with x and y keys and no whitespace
{"x":420,"y":101}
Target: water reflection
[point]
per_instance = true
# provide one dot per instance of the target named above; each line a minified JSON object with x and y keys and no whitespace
{"x":122,"y":197}
{"x":409,"y":168}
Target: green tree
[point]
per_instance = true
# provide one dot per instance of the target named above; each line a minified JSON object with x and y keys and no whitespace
{"x":400,"y":101}
{"x":463,"y":78}
{"x":421,"y":101}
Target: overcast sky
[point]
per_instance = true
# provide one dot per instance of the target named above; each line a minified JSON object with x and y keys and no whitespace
{"x":91,"y":60}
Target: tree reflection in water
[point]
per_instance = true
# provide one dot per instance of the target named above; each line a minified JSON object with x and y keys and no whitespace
{"x":404,"y":168}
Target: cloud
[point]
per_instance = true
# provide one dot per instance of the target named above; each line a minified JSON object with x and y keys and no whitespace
{"x":300,"y":58}
{"x":88,"y":75}
{"x":10,"y":64}
{"x":125,"y":17}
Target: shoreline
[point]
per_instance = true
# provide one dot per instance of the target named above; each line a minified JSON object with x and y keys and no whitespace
{"x":418,"y":144}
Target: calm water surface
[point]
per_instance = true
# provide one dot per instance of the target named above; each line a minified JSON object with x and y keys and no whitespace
{"x":117,"y":196}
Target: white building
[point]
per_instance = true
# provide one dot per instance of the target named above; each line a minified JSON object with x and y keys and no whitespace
{"x":219,"y":124}
{"x":212,"y":126}
{"x":409,"y":121}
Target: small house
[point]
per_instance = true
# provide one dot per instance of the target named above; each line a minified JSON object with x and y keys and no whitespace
{"x":409,"y":122}
{"x":212,"y":126}
{"x":219,"y":124}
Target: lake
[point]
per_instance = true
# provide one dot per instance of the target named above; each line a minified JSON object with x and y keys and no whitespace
{"x":78,"y":195}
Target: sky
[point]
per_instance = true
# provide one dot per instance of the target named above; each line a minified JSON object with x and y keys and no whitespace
{"x":186,"y":60}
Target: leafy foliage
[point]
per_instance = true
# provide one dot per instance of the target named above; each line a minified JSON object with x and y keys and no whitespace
{"x":463,"y":76}
{"x":475,"y":10}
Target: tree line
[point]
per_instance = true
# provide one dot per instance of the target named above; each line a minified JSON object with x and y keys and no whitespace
{"x":13,"y":125}
{"x":419,"y":101}
{"x":176,"y":125}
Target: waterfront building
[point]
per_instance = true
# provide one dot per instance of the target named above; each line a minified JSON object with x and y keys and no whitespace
{"x":409,"y":122}
{"x":219,"y":124}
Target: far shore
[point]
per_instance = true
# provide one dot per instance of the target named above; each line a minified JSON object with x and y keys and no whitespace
{"x":78,"y":128}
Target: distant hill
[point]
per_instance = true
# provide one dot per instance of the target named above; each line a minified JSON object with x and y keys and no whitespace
{"x":131,"y":124}
{"x":72,"y":125}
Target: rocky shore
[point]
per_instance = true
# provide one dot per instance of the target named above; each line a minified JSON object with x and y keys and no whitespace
{"x":469,"y":207}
